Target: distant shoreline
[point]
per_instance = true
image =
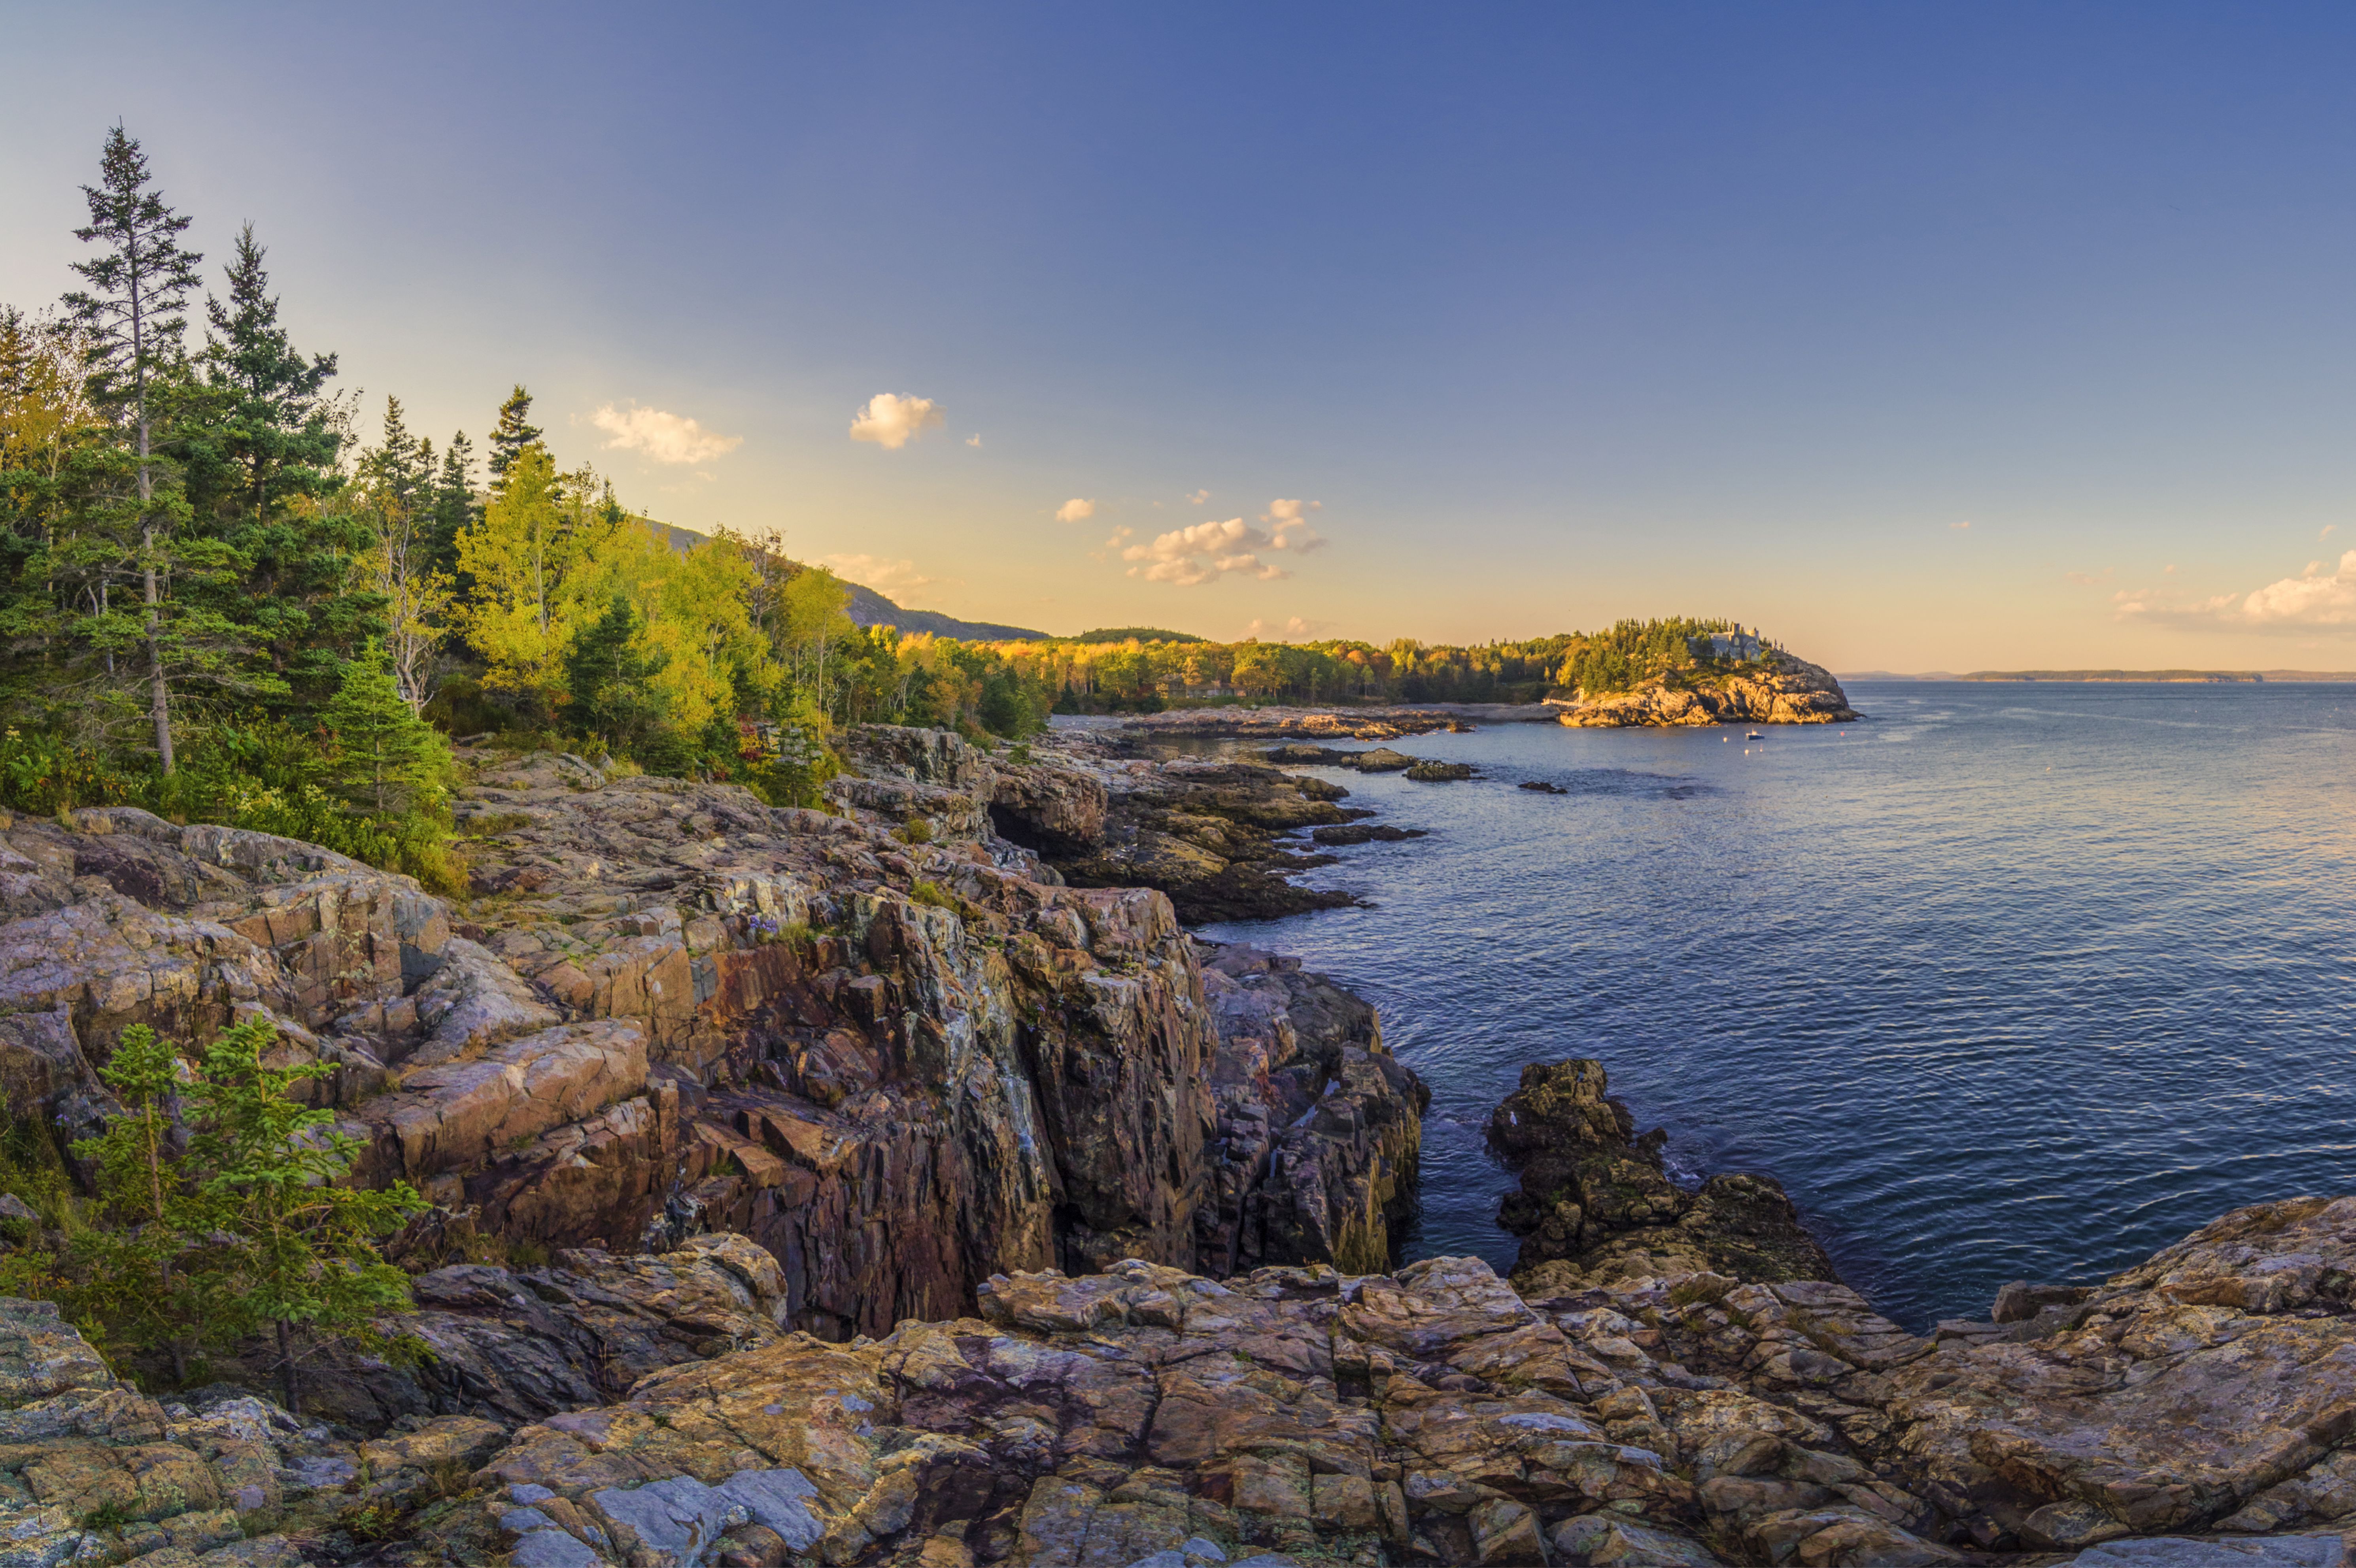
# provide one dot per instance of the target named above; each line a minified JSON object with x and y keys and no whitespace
{"x":2120,"y":676}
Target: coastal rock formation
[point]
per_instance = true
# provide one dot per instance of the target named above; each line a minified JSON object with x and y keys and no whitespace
{"x":1379,"y":722}
{"x":1597,"y":1204}
{"x":1321,"y":1128}
{"x":1204,"y":831}
{"x":901,"y":1062}
{"x":1353,"y":832}
{"x":1780,"y":689}
{"x":2187,"y":1412}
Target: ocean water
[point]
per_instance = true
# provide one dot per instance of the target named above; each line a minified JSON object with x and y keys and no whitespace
{"x":2008,"y":982}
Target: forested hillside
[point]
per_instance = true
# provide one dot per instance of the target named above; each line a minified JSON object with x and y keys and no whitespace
{"x":229,"y":593}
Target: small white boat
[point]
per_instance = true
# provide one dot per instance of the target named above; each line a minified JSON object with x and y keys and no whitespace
{"x":1754,"y":735}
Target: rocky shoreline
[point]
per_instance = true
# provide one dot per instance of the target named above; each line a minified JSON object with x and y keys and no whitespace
{"x":904,"y":1203}
{"x":1777,"y":689}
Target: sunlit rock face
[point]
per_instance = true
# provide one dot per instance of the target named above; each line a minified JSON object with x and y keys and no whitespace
{"x":1779,"y":690}
{"x":888,"y":1045}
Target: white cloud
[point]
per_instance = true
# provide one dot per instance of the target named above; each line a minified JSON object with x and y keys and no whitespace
{"x":2323,"y":595}
{"x":1962,"y":525}
{"x":895,"y":579}
{"x":974,"y":439}
{"x":661,"y":437}
{"x":1203,"y":551}
{"x":1199,"y":496}
{"x":1294,"y":627}
{"x":892,"y":422}
{"x":2329,"y":529}
{"x":1291,"y":531}
{"x":1076,"y":510}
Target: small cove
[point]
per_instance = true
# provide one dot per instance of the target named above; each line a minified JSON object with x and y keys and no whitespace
{"x":2009,"y":981}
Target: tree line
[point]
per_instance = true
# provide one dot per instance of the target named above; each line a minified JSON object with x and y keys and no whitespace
{"x":1147,"y":670}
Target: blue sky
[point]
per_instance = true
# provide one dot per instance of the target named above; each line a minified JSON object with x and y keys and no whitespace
{"x":1556,"y":312}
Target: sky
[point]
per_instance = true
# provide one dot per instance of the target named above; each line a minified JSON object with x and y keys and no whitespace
{"x":1923,"y":336}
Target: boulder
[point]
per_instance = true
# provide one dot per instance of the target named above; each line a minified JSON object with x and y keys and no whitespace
{"x":1596,"y":1202}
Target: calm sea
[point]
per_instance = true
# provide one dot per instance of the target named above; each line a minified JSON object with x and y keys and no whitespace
{"x":2008,"y":982}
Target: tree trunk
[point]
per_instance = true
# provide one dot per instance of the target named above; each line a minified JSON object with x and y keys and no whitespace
{"x":286,"y":1366}
{"x":159,"y":695}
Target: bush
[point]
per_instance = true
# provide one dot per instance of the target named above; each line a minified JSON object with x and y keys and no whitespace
{"x":460,"y":707}
{"x":265,"y":778}
{"x":42,"y":774}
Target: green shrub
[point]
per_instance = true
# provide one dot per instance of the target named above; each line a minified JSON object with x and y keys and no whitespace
{"x":42,"y":774}
{"x":460,"y":707}
{"x":938,"y":897}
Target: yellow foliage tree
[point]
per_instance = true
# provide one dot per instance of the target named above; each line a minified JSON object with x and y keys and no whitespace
{"x":538,"y":554}
{"x":695,"y":625}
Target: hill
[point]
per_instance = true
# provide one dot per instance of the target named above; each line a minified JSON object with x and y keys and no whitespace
{"x":2168,"y":677}
{"x":869,"y":608}
{"x":1136,"y":634}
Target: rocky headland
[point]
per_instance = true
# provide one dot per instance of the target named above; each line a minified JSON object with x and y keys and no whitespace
{"x":1777,"y":689}
{"x":901,"y":1203}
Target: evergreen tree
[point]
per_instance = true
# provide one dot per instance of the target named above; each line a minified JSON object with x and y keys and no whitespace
{"x":606,"y":673}
{"x":278,"y":434}
{"x":514,"y":431}
{"x":130,"y":317}
{"x":454,"y":504}
{"x":395,"y":492}
{"x":389,"y":757}
{"x":274,"y":437}
{"x":137,"y":1288}
{"x":298,"y":1245}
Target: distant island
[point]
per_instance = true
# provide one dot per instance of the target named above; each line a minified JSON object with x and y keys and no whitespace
{"x":2151,"y":677}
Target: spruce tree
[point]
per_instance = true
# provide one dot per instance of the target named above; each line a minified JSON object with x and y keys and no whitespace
{"x":454,"y":503}
{"x":278,"y":434}
{"x":388,"y":758}
{"x":605,"y":675}
{"x":298,"y":1245}
{"x":139,"y":284}
{"x":514,"y":431}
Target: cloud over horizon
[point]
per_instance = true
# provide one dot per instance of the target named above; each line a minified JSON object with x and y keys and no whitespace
{"x":1076,"y":510}
{"x":898,"y":580}
{"x":892,"y":422}
{"x":2323,"y":596}
{"x":661,"y":437}
{"x":1206,"y":551}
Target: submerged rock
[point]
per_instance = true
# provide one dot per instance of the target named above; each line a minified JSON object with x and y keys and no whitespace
{"x":1364,"y":833}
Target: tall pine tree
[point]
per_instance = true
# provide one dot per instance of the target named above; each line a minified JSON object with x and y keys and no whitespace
{"x":130,"y":316}
{"x":514,"y":431}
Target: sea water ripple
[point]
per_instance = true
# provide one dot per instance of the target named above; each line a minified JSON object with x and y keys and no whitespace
{"x":2006,"y":982}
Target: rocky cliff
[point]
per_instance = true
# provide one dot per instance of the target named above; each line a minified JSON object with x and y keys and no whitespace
{"x":1780,"y":689}
{"x":887,"y":1045}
